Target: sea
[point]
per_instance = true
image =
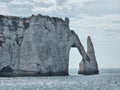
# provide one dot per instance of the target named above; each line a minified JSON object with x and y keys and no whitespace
{"x":107,"y":79}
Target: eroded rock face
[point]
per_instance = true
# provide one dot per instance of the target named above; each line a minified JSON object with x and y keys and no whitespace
{"x":89,"y":67}
{"x":37,"y":45}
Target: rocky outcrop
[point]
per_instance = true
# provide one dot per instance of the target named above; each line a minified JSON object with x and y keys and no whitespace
{"x":89,"y":67}
{"x":37,"y":45}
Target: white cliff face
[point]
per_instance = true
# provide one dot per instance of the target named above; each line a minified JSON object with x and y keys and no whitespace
{"x":45,"y":47}
{"x":89,"y":67}
{"x":37,"y":45}
{"x":11,"y":30}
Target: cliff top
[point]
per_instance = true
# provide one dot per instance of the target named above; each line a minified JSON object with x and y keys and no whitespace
{"x":29,"y":17}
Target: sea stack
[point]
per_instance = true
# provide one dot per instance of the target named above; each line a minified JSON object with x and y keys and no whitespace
{"x":89,"y":67}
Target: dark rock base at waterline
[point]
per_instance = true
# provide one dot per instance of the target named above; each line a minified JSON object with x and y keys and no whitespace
{"x":22,"y":74}
{"x":88,"y":73}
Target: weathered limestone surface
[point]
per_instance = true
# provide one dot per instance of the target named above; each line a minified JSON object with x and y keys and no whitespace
{"x":37,"y":45}
{"x":89,"y":67}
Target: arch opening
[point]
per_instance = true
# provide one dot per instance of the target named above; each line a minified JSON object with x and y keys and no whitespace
{"x":74,"y":60}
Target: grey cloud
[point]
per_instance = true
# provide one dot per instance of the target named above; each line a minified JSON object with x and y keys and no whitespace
{"x":117,"y":22}
{"x":101,"y":7}
{"x":93,"y":8}
{"x":20,"y":10}
{"x":43,"y":4}
{"x":60,"y":2}
{"x":26,"y":8}
{"x":62,"y":9}
{"x":6,"y":1}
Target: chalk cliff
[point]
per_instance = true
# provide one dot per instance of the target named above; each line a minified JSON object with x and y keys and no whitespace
{"x":89,"y":67}
{"x":37,"y":45}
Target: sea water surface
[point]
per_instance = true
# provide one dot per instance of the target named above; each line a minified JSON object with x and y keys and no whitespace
{"x":108,"y":79}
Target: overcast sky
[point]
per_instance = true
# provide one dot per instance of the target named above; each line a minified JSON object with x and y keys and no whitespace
{"x":98,"y":18}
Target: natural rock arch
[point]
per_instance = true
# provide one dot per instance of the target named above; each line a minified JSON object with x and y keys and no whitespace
{"x":88,"y":65}
{"x":37,"y":45}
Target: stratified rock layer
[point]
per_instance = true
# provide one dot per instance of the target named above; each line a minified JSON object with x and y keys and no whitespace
{"x":37,"y":45}
{"x":89,"y":67}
